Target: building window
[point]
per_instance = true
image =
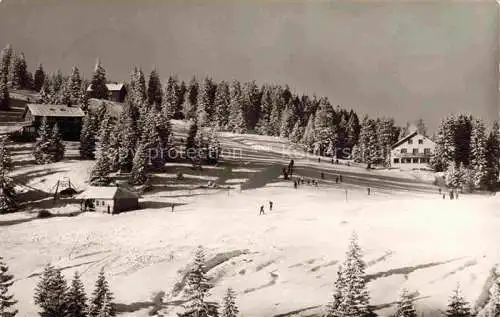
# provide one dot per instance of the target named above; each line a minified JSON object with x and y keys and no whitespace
{"x":420,"y":141}
{"x":396,"y":161}
{"x":427,"y":151}
{"x":415,"y":160}
{"x":415,"y":151}
{"x":410,"y":141}
{"x":403,"y":151}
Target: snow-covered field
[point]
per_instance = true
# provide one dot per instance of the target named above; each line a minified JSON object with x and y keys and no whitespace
{"x":282,"y":262}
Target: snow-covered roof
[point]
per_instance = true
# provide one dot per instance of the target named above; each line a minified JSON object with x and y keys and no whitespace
{"x":409,"y":136}
{"x":113,"y":108}
{"x":111,"y":87}
{"x":48,"y":110}
{"x":98,"y":192}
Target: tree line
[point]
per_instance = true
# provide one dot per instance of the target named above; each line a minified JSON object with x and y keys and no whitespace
{"x":350,"y":297}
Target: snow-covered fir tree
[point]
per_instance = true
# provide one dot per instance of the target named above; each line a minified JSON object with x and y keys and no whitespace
{"x":206,"y":98}
{"x":139,"y":173}
{"x":297,"y":132}
{"x":49,"y":147}
{"x":323,"y":126}
{"x":88,"y":136}
{"x":7,"y":301}
{"x":128,"y":138}
{"x":75,"y":86}
{"x":155,"y":91}
{"x":287,"y":121}
{"x":444,"y":152}
{"x":493,"y":156}
{"x":333,"y":305}
{"x":98,"y":82}
{"x":478,"y":158}
{"x":99,"y":175}
{"x":101,"y":297}
{"x":107,"y":309}
{"x":264,"y":125}
{"x":172,"y":97}
{"x":190,"y":104}
{"x":57,"y":147}
{"x":458,"y":306}
{"x":309,"y":134}
{"x":51,"y":293}
{"x":492,"y":307}
{"x":4,"y":78}
{"x":251,"y":104}
{"x":229,"y":307}
{"x":197,"y":287}
{"x":351,"y":297}
{"x":405,"y":307}
{"x":38,"y":78}
{"x":214,"y":148}
{"x":76,"y":298}
{"x":454,"y":176}
{"x":236,"y":122}
{"x":221,"y":104}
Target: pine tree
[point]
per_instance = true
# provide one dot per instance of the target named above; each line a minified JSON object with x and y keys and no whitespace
{"x":76,"y":298}
{"x":445,"y":149}
{"x":172,"y":98}
{"x":333,"y":305}
{"x":229,"y":308}
{"x":277,"y":111}
{"x":155,"y":92}
{"x":102,"y":168}
{"x":4,"y":78}
{"x":190,"y":141}
{"x":99,"y":88}
{"x":264,"y":125}
{"x":478,"y":155}
{"x":51,"y":293}
{"x":138,"y":175}
{"x":453,"y":176}
{"x":297,"y":132}
{"x":75,"y":86}
{"x":191,"y":101}
{"x":39,"y":78}
{"x":206,"y":98}
{"x":405,"y":306}
{"x":236,"y":122}
{"x":128,"y":138}
{"x":197,"y":286}
{"x":15,"y":76}
{"x":214,"y":148}
{"x":41,"y":152}
{"x":493,"y":156}
{"x":308,"y":138}
{"x":492,"y":308}
{"x":57,"y":147}
{"x":101,"y":299}
{"x":324,"y":126}
{"x":7,"y":300}
{"x":251,"y":104}
{"x":8,"y":200}
{"x":458,"y":306}
{"x":88,"y":136}
{"x":351,"y":297}
{"x":222,"y":102}
{"x":107,"y":309}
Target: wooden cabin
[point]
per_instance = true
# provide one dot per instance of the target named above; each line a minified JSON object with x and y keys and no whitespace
{"x":68,"y":118}
{"x":116,"y":92}
{"x":110,"y":200}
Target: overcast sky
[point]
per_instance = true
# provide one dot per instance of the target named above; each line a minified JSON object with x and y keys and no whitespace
{"x":384,"y":58}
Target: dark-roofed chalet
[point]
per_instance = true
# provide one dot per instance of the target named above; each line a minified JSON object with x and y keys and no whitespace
{"x":109,"y":199}
{"x":68,"y":118}
{"x":116,"y":92}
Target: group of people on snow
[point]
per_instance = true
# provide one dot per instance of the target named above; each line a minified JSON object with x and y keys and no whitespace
{"x":262,"y":212}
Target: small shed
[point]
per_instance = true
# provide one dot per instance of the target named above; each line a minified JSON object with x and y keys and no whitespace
{"x":116,"y":91}
{"x":68,"y":118}
{"x":109,"y":200}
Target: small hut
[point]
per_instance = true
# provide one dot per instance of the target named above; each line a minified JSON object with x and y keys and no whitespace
{"x":109,"y":200}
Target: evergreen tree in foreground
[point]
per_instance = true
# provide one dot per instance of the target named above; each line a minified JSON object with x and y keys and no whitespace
{"x":405,"y":306}
{"x":51,"y":292}
{"x":458,"y":306}
{"x":229,"y":308}
{"x":351,"y":297}
{"x":4,"y":78}
{"x":8,"y":202}
{"x":102,"y":168}
{"x":7,"y":301}
{"x":101,"y":300}
{"x":198,"y":287}
{"x":77,"y":300}
{"x":139,"y":175}
{"x":49,"y":147}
